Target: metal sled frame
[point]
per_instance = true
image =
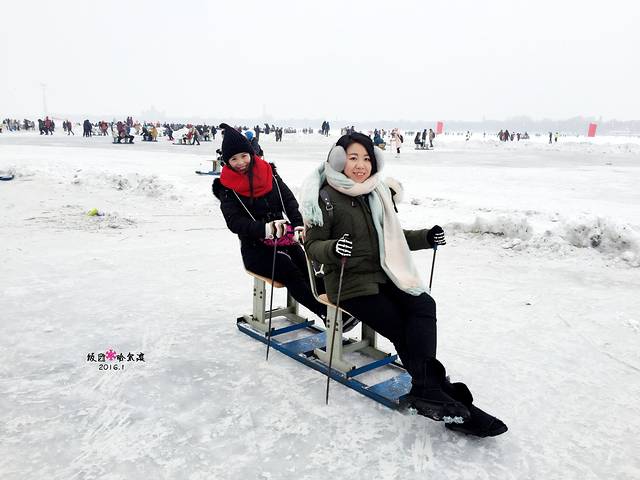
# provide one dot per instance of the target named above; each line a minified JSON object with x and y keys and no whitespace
{"x":312,"y":350}
{"x":258,"y":320}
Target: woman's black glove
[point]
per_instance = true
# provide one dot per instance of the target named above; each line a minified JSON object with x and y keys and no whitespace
{"x":435,"y":236}
{"x":344,"y":246}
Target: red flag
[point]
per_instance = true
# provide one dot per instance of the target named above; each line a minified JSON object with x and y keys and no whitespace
{"x":592,"y":130}
{"x":439,"y":127}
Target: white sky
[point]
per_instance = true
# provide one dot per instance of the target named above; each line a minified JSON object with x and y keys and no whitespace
{"x":457,"y":59}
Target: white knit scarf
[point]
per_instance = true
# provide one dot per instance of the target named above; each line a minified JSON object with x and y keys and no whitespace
{"x":395,"y":256}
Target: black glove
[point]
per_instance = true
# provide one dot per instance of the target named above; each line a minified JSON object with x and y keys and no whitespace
{"x":435,"y":236}
{"x":344,"y":246}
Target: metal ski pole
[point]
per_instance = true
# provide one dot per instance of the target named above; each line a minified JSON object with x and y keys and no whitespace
{"x":343,"y":261}
{"x":273,"y":273}
{"x":433,"y":263}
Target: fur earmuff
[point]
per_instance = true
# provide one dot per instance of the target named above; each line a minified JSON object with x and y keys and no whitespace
{"x":337,"y":158}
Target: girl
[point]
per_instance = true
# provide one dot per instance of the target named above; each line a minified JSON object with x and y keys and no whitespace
{"x":259,"y":207}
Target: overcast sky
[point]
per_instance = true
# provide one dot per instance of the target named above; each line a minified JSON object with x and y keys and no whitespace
{"x":445,"y":59}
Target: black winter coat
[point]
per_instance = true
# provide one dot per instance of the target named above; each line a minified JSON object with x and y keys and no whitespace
{"x":264,"y":209}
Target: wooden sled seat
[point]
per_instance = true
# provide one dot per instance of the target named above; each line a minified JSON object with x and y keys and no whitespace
{"x":265,"y":279}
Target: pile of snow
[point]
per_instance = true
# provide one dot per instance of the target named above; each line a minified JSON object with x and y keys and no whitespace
{"x":605,"y":236}
{"x":501,"y":226}
{"x":618,"y":242}
{"x":148,"y":185}
{"x":108,"y":221}
{"x":75,"y":217}
{"x":22,"y":172}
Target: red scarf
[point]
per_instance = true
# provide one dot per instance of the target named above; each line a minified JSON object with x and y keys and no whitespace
{"x":239,"y":182}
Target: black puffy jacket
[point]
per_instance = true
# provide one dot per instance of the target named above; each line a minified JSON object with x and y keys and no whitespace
{"x":247,"y":217}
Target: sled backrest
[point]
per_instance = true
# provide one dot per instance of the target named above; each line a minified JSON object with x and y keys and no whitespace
{"x":312,"y":276}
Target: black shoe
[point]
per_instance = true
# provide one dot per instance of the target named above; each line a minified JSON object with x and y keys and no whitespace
{"x":480,"y":424}
{"x":437,"y":405}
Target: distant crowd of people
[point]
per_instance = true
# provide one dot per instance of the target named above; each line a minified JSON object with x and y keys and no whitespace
{"x":505,"y":136}
{"x":13,"y":125}
{"x":46,"y":126}
{"x":126,"y":130}
{"x":423,"y":137}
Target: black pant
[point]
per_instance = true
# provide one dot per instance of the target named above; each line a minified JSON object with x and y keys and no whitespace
{"x":291,"y":271}
{"x":409,"y":322}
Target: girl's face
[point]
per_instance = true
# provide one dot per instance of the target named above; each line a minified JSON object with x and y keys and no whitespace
{"x":240,"y":162}
{"x":358,"y":166}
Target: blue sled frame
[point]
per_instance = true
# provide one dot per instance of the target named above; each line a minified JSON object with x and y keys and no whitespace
{"x":389,"y":392}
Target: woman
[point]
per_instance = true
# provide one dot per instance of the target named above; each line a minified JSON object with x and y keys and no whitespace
{"x":396,"y":140}
{"x":259,"y":207}
{"x":380,"y":284}
{"x":417,"y":140}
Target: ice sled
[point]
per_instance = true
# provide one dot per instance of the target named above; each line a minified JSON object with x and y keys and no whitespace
{"x":311,"y":345}
{"x":216,"y":168}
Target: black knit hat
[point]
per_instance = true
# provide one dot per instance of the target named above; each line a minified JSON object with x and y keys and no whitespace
{"x":234,"y":142}
{"x":355,"y":137}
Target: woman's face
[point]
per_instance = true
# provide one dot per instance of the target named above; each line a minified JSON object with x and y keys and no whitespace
{"x":358,"y":166}
{"x":240,"y":162}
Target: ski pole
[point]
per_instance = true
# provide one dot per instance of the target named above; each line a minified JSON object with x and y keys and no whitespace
{"x":273,"y":273}
{"x":433,"y":263}
{"x":343,"y":261}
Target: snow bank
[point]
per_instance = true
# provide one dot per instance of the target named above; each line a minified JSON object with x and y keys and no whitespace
{"x":149,"y":185}
{"x":21,"y":172}
{"x":501,"y":226}
{"x":605,"y":236}
{"x":617,"y":241}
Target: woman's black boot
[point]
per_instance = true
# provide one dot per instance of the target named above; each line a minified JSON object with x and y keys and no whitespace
{"x":480,"y":423}
{"x":427,"y":395}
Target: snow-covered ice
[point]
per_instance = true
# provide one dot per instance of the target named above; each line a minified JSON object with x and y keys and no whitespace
{"x":537,"y":293}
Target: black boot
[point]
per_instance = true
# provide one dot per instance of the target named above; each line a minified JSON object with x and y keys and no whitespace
{"x":427,"y":395}
{"x":480,"y":424}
